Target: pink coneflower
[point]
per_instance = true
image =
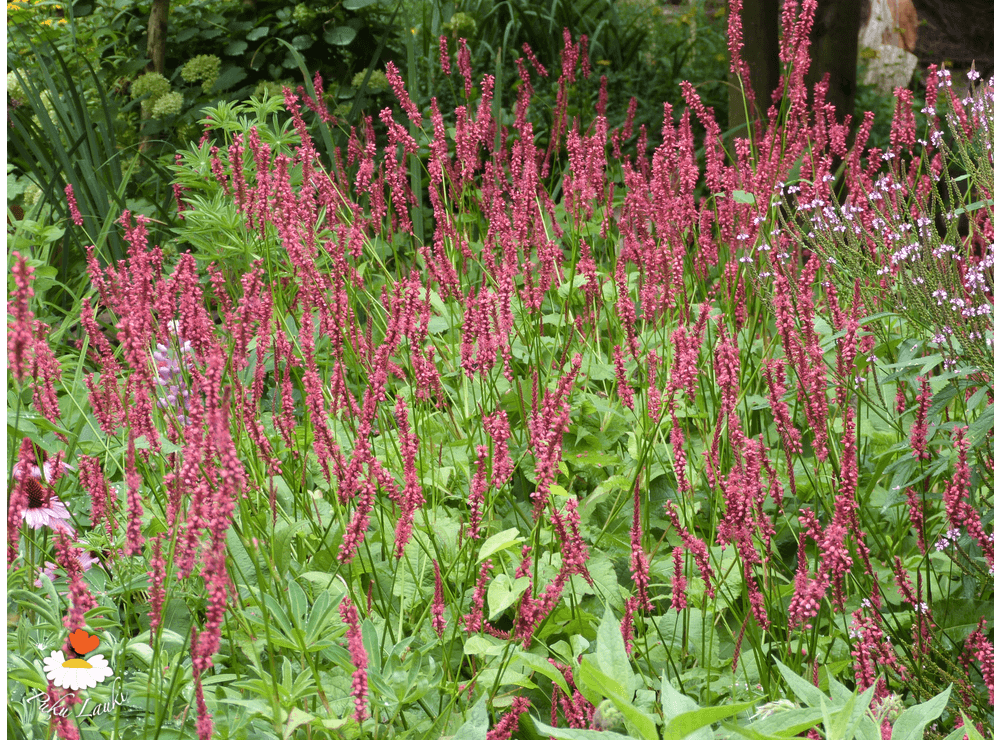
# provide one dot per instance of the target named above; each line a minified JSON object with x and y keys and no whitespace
{"x":44,"y":508}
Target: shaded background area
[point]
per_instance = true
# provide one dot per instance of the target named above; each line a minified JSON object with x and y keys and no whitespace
{"x":956,"y":31}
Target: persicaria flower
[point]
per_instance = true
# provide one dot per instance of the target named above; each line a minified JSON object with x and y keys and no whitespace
{"x":437,"y":608}
{"x":445,"y":59}
{"x":678,"y":599}
{"x":918,"y":432}
{"x":74,"y":210}
{"x":359,"y":659}
{"x":503,"y":729}
{"x":80,"y":598}
{"x":639,"y":562}
{"x":979,"y":646}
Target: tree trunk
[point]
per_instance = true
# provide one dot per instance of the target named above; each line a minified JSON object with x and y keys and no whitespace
{"x":834,"y":50}
{"x":156,"y":43}
{"x":760,"y":52}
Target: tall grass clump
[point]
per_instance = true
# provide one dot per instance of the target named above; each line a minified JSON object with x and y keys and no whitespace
{"x":597,"y":455}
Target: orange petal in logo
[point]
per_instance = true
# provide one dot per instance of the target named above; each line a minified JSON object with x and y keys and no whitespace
{"x":83,"y":642}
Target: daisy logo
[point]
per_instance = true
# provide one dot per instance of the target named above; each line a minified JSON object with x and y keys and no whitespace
{"x":78,"y":673}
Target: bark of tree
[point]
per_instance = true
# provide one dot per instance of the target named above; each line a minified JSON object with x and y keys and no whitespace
{"x":760,"y":51}
{"x":156,"y":41}
{"x":834,"y":50}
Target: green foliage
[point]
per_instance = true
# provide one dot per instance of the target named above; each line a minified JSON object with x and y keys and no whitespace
{"x":269,"y":359}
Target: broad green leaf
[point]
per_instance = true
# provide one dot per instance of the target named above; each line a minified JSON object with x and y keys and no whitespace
{"x":868,"y":730}
{"x":258,"y":33}
{"x":499,"y":541}
{"x":780,"y":725}
{"x":340,"y":36}
{"x":561,"y":733}
{"x":541,"y":665}
{"x":358,"y":4}
{"x":790,"y":723}
{"x":476,"y":725}
{"x":293,"y":720}
{"x":807,"y":693}
{"x":910,"y":724}
{"x":141,"y":650}
{"x":594,"y":679}
{"x":229,"y":79}
{"x":370,"y":639}
{"x":686,"y":723}
{"x":970,"y":729}
{"x":503,"y":592}
{"x":836,"y":719}
{"x":611,"y":656}
{"x":483,"y":645}
{"x":742,"y":196}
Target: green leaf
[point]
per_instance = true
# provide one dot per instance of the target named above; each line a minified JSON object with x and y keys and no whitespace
{"x":541,"y":665}
{"x":295,"y":719}
{"x":981,"y":426}
{"x":742,"y":196}
{"x":910,"y":724}
{"x":141,"y":650}
{"x":503,"y":592}
{"x":340,"y":36}
{"x":303,"y":41}
{"x":499,"y":541}
{"x":807,"y":693}
{"x":358,"y":4}
{"x":476,"y":725}
{"x":483,"y":645}
{"x":258,"y":33}
{"x":240,"y":558}
{"x":229,"y":79}
{"x":688,"y":722}
{"x":611,"y":655}
{"x":561,"y":733}
{"x":835,"y":719}
{"x":595,"y":681}
{"x":788,"y":724}
{"x":235,"y":48}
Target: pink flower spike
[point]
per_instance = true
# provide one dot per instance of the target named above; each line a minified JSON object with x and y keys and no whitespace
{"x":80,"y":598}
{"x":359,"y":659}
{"x":398,"y":87}
{"x":445,"y":59}
{"x":74,"y":211}
{"x":918,"y":432}
{"x":437,"y":608}
{"x":504,"y":728}
{"x":87,"y":561}
{"x":639,"y":562}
